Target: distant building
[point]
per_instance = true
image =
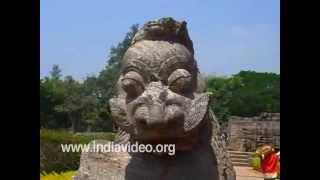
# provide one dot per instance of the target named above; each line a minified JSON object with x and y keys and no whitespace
{"x":248,"y":133}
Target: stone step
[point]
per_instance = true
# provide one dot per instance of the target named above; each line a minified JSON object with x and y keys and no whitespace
{"x":240,"y":164}
{"x":245,"y":156}
{"x":240,"y":153}
{"x":240,"y":158}
{"x":237,"y":160}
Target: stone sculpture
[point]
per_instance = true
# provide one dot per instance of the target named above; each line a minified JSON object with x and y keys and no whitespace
{"x":161,"y":100}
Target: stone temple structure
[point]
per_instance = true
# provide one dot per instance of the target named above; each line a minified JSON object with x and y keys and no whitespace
{"x":248,"y":133}
{"x":161,"y":100}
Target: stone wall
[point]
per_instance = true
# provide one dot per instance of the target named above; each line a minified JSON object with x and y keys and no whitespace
{"x":247,"y":133}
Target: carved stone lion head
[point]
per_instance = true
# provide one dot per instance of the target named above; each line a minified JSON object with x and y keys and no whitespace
{"x":157,"y":99}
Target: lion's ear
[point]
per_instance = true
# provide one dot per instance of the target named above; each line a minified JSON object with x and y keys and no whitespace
{"x":201,"y":83}
{"x":197,"y":111}
{"x":118,"y":112}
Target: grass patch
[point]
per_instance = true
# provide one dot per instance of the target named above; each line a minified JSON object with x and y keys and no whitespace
{"x":57,"y":176}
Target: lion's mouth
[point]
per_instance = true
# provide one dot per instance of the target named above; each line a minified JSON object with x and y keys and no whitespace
{"x":181,"y":141}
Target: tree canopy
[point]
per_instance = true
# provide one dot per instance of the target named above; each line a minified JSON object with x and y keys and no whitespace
{"x":247,"y":93}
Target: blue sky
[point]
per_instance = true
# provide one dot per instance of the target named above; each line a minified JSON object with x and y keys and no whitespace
{"x":228,"y":35}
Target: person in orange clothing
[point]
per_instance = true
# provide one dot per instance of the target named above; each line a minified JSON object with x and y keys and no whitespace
{"x":270,"y":163}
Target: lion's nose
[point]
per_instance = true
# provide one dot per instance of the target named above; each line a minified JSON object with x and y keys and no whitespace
{"x":156,"y":117}
{"x":151,"y":116}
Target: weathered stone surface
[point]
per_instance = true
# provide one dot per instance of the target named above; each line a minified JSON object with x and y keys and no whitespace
{"x":207,"y":161}
{"x":161,"y":101}
{"x":99,"y":165}
{"x":95,"y":166}
{"x":165,"y":29}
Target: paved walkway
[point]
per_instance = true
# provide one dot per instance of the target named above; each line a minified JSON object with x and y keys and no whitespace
{"x":247,"y":173}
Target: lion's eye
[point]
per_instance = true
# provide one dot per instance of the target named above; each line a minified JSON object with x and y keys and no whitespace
{"x":180,"y":81}
{"x":132,"y":84}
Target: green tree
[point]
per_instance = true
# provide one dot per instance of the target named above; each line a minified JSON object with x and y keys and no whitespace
{"x":247,"y":93}
{"x":260,"y":93}
{"x":45,"y":104}
{"x":72,"y":104}
{"x":51,"y":94}
{"x":94,"y":106}
{"x":55,"y":73}
{"x":221,"y":90}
